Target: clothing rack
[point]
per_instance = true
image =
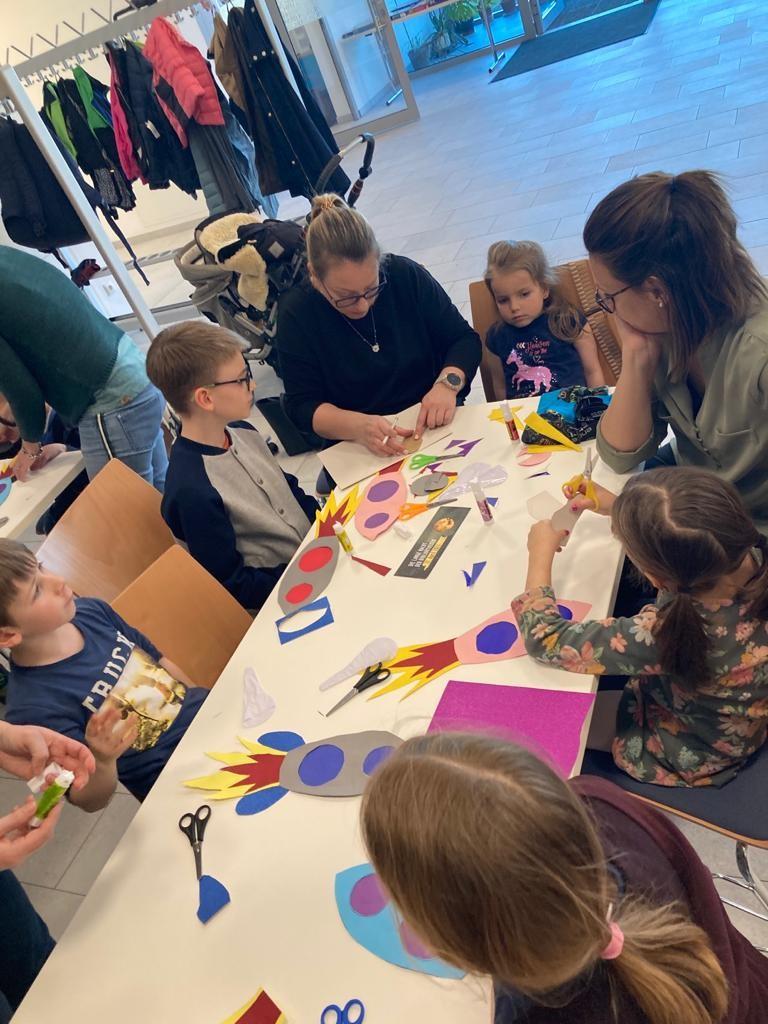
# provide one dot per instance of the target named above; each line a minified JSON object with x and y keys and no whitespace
{"x":80,"y":48}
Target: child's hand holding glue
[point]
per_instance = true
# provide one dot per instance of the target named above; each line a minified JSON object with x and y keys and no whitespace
{"x":19,"y":837}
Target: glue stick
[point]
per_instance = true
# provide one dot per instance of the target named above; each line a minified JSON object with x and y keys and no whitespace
{"x":343,"y":537}
{"x":509,"y":421}
{"x":482,"y":504}
{"x":48,"y":797}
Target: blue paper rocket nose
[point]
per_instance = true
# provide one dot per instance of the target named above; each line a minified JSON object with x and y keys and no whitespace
{"x":213,"y":896}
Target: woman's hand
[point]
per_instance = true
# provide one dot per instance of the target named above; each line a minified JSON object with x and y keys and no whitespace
{"x":644,"y":349}
{"x":23,"y":465}
{"x":380,"y":436}
{"x":108,"y":734}
{"x":25,"y":750}
{"x":17,"y":839}
{"x":438,"y":408}
{"x":48,"y":454}
{"x":581,"y":503}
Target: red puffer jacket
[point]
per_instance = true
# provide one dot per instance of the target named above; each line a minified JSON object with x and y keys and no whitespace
{"x":182,"y":79}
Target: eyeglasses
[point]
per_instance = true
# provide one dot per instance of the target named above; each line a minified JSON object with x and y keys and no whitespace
{"x":245,"y":379}
{"x":607,"y":300}
{"x":352,"y":300}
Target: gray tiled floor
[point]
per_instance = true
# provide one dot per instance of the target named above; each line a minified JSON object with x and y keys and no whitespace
{"x":527,"y":157}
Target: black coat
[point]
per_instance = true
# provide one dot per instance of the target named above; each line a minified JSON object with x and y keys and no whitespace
{"x":291,"y":150}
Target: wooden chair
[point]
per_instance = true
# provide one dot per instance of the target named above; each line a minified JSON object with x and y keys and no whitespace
{"x":578,"y":286}
{"x":109,"y":535}
{"x":186,"y":613}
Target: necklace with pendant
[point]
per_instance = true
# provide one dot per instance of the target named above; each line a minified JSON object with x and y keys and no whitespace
{"x":373,"y":346}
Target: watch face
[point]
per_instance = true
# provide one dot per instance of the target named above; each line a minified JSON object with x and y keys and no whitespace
{"x":453,"y":379}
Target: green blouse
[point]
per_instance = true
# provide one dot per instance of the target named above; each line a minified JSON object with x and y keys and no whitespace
{"x":665,"y":734}
{"x":729,"y":433}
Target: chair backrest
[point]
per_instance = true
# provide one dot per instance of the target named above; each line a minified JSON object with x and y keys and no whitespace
{"x":578,"y":286}
{"x":109,"y":535}
{"x":186,"y":614}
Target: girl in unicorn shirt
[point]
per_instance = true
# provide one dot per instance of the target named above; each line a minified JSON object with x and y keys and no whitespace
{"x":544,"y":343}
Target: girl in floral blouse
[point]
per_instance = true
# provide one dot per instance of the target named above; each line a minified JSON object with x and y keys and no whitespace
{"x":695,"y":706}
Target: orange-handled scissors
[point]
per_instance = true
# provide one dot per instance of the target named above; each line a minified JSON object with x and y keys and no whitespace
{"x":584,"y":480}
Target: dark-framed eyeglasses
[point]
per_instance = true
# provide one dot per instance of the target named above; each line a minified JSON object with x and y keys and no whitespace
{"x":607,"y":300}
{"x":370,"y":294}
{"x":245,"y":379}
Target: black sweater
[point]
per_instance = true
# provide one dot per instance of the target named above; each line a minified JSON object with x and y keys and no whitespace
{"x":419,"y":332}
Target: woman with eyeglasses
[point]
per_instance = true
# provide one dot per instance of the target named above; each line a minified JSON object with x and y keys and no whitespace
{"x":370,"y":336}
{"x":56,"y":349}
{"x":692,"y":314}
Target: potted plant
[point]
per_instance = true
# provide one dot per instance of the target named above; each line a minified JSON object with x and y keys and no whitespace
{"x":420,"y":52}
{"x":442,"y":40}
{"x":462,"y":14}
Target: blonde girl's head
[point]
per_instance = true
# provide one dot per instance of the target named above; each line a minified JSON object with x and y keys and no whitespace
{"x":524,"y":286}
{"x":496,"y":863}
{"x":688,"y":530}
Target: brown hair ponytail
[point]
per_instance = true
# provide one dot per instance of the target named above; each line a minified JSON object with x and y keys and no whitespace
{"x":682,"y":229}
{"x":562,"y":318}
{"x":337,"y":232}
{"x":496,"y":863}
{"x":689,"y":529}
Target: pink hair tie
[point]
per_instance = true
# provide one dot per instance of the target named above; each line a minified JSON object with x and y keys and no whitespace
{"x":616,"y":944}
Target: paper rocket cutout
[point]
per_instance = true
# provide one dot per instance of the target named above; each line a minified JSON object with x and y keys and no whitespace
{"x":213,"y":896}
{"x":281,"y":762}
{"x":472,"y":576}
{"x":380,"y":504}
{"x":382,"y":570}
{"x":336,"y":512}
{"x":259,"y":1010}
{"x":368,"y":916}
{"x":309,"y":574}
{"x":496,"y":639}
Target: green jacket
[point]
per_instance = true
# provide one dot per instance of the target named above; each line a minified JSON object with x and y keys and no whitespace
{"x":729,"y":434}
{"x":55,"y":347}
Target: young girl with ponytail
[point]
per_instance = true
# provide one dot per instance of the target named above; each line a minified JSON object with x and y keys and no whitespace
{"x":584,"y":905}
{"x":695,"y":706}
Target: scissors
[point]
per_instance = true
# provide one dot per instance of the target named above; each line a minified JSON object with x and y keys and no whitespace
{"x":193,"y":827}
{"x":411,"y":509}
{"x":585,"y":478}
{"x":334,"y":1014}
{"x":371,"y":676}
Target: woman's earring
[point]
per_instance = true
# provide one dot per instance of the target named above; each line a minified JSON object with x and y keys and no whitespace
{"x":661,"y":303}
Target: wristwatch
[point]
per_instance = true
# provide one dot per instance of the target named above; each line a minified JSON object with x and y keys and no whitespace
{"x":454,"y":381}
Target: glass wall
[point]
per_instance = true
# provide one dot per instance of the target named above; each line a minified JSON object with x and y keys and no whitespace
{"x":562,"y":13}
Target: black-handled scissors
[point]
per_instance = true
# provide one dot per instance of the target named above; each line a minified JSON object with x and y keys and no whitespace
{"x":371,"y":676}
{"x":193,"y":827}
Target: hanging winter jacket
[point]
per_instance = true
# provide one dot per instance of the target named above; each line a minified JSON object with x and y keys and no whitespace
{"x":290,"y":151}
{"x":182,"y":79}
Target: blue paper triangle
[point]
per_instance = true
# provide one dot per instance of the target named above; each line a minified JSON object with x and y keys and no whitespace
{"x":213,"y":896}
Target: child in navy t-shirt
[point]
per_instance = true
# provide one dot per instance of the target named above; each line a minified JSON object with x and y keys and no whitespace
{"x":544,"y":343}
{"x":77,"y":667}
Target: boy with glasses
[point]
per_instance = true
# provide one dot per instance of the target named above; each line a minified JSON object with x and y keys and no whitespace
{"x":226,"y":498}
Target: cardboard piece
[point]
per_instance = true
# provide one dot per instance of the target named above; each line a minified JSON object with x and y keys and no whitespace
{"x":471,"y":577}
{"x":349,"y":462}
{"x":338,"y":765}
{"x":306,"y":620}
{"x":381,"y":649}
{"x":549,"y":722}
{"x":380,"y":505}
{"x":309,"y":574}
{"x":259,"y":1010}
{"x":370,"y":920}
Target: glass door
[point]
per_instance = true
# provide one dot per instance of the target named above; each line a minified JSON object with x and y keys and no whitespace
{"x":348,"y":58}
{"x":553,"y":14}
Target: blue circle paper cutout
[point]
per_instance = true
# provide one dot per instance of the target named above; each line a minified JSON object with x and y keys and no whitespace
{"x":321,"y":765}
{"x":281,"y":740}
{"x":261,"y":800}
{"x":497,"y":638}
{"x":375,"y":758}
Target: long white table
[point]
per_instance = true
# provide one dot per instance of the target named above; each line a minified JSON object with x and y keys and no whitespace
{"x":27,"y":501}
{"x":136,"y":951}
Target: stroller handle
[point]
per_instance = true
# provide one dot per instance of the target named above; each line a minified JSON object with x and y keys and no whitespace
{"x":362,"y":174}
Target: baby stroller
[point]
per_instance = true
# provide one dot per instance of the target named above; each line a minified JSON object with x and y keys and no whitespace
{"x":239,"y":264}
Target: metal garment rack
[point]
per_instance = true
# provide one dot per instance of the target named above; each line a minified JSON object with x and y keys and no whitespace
{"x":82,"y":46}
